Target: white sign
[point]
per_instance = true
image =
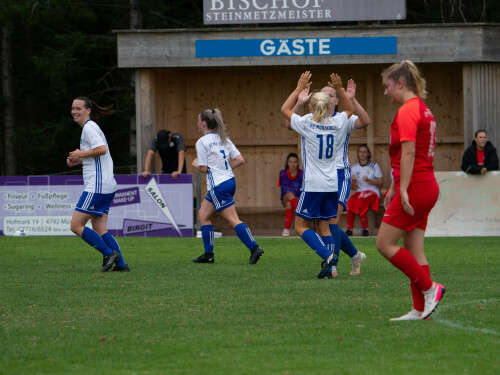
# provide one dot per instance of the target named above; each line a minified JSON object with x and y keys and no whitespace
{"x":468,"y":205}
{"x":292,"y":11}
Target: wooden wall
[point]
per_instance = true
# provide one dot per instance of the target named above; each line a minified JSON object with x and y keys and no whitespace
{"x":250,"y":99}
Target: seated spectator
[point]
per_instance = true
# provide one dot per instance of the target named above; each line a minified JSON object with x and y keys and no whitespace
{"x":290,"y":181}
{"x":481,"y":156}
{"x":367,"y":178}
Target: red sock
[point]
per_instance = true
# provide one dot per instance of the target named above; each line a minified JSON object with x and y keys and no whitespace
{"x":407,"y":264}
{"x":294,"y":202}
{"x":418,"y":296}
{"x":288,"y":218}
{"x":350,"y":219}
{"x":364,"y":220}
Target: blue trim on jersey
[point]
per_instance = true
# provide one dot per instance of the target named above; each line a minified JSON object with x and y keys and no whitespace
{"x":304,"y":162}
{"x":210,"y":179}
{"x":98,"y":175}
{"x":346,"y":145}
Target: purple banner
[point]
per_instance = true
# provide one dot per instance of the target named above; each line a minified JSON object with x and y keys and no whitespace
{"x":43,"y":205}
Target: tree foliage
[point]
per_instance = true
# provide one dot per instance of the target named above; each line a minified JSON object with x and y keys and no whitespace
{"x":62,"y":49}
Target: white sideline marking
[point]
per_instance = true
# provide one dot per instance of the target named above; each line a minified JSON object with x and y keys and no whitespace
{"x":461,"y":326}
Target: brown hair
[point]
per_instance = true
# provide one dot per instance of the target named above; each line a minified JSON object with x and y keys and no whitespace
{"x":95,"y":110}
{"x":408,"y":72}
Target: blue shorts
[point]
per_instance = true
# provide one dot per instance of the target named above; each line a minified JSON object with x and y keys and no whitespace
{"x":317,"y":205}
{"x":221,"y":196}
{"x":94,"y":203}
{"x":344,"y":176}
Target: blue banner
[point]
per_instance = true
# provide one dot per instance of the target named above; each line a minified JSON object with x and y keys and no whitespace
{"x":297,"y":47}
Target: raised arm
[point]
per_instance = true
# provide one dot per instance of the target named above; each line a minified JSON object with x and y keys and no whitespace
{"x":363,"y":119}
{"x":304,"y":96}
{"x":288,"y":105}
{"x":336,"y":83}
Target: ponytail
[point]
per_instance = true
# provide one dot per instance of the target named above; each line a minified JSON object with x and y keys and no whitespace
{"x":95,"y":110}
{"x":213,"y":119}
{"x":407,"y":71}
{"x":320,"y":102}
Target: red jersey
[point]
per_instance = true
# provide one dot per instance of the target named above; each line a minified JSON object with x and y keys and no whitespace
{"x":414,"y":122}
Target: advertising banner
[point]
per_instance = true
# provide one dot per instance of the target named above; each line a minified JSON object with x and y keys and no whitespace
{"x":43,"y":205}
{"x":291,"y":11}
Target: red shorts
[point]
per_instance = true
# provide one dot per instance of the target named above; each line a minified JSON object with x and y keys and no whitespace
{"x":423,"y":196}
{"x":362,"y":201}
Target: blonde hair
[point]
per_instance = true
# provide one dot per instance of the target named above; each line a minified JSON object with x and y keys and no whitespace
{"x":407,"y":71}
{"x":213,"y":119}
{"x":320,"y":101}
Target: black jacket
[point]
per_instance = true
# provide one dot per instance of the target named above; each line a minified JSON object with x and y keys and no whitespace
{"x":469,"y":160}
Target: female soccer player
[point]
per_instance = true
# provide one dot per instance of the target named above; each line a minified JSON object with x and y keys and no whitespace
{"x":290,"y":182}
{"x":318,"y":199}
{"x":340,"y":239}
{"x":414,"y":189}
{"x":217,"y":157}
{"x":100,"y":184}
{"x":367,"y":178}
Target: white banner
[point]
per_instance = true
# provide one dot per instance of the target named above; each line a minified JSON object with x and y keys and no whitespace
{"x":292,"y":11}
{"x":468,"y":205}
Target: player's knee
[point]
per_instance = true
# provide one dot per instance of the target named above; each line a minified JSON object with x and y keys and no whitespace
{"x":76,"y":229}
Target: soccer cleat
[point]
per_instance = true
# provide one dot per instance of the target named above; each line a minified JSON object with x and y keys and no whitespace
{"x":285,"y":233}
{"x":205,"y":258}
{"x":326,"y":266}
{"x":349,"y":232}
{"x":412,"y":315}
{"x":364,"y":232}
{"x":356,"y":263}
{"x":432,"y":298}
{"x":108,"y":261}
{"x":334,"y":271}
{"x":255,"y":255}
{"x":120,"y":269}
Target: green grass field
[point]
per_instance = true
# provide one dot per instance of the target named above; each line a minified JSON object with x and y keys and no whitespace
{"x":60,"y":315}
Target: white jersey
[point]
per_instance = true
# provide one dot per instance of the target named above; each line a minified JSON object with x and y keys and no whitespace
{"x":98,"y":174}
{"x":319,"y":150}
{"x":342,"y":154}
{"x":215,"y":155}
{"x":370,"y":170}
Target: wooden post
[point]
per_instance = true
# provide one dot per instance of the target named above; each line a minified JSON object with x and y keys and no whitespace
{"x":145,"y":115}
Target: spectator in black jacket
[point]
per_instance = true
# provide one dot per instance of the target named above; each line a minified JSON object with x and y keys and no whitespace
{"x":481,"y":156}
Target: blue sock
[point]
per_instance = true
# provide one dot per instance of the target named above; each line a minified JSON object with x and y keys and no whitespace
{"x":346,"y":245}
{"x":207,"y":234}
{"x":329,"y":242}
{"x":243,"y":233}
{"x":334,"y":229}
{"x":112,"y":244}
{"x":314,"y":241}
{"x":94,"y":240}
{"x":330,"y":245}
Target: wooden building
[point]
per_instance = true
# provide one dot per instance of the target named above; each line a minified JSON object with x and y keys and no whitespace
{"x":461,"y":64}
